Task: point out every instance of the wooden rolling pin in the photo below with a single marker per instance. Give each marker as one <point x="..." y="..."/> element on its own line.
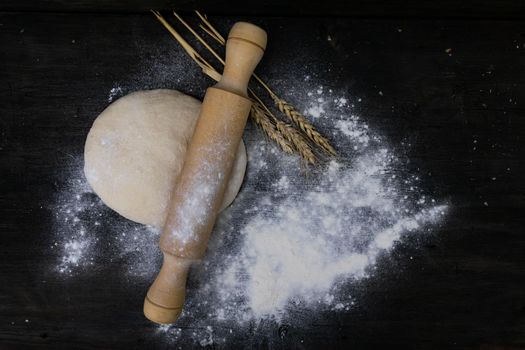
<point x="199" y="189"/>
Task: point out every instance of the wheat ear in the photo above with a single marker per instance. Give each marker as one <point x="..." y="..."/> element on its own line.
<point x="299" y="120"/>
<point x="287" y="132"/>
<point x="293" y="136"/>
<point x="261" y="119"/>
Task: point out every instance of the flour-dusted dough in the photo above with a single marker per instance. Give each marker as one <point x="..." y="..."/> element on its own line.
<point x="136" y="148"/>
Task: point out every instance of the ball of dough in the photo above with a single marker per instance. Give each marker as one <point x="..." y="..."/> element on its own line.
<point x="135" y="149"/>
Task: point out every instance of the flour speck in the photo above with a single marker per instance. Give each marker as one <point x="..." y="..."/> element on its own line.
<point x="114" y="93"/>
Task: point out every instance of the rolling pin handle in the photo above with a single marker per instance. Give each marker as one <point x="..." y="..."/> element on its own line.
<point x="244" y="49"/>
<point x="165" y="299"/>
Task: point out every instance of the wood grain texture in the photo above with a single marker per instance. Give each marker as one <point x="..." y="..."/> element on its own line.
<point x="464" y="287"/>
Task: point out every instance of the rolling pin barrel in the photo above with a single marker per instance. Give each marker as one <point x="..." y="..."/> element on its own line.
<point x="199" y="188"/>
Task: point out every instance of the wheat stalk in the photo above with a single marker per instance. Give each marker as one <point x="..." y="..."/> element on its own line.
<point x="283" y="106"/>
<point x="185" y="45"/>
<point x="199" y="38"/>
<point x="208" y="28"/>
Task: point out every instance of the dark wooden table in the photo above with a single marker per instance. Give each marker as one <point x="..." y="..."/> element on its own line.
<point x="466" y="288"/>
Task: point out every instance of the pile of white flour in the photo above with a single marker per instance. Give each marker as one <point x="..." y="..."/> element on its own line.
<point x="290" y="244"/>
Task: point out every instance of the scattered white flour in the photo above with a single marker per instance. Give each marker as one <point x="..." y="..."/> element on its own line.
<point x="84" y="225"/>
<point x="115" y="93"/>
<point x="299" y="242"/>
<point x="297" y="247"/>
<point x="74" y="239"/>
<point x="355" y="130"/>
<point x="316" y="108"/>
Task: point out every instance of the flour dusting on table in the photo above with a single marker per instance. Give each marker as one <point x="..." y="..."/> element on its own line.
<point x="73" y="237"/>
<point x="301" y="238"/>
